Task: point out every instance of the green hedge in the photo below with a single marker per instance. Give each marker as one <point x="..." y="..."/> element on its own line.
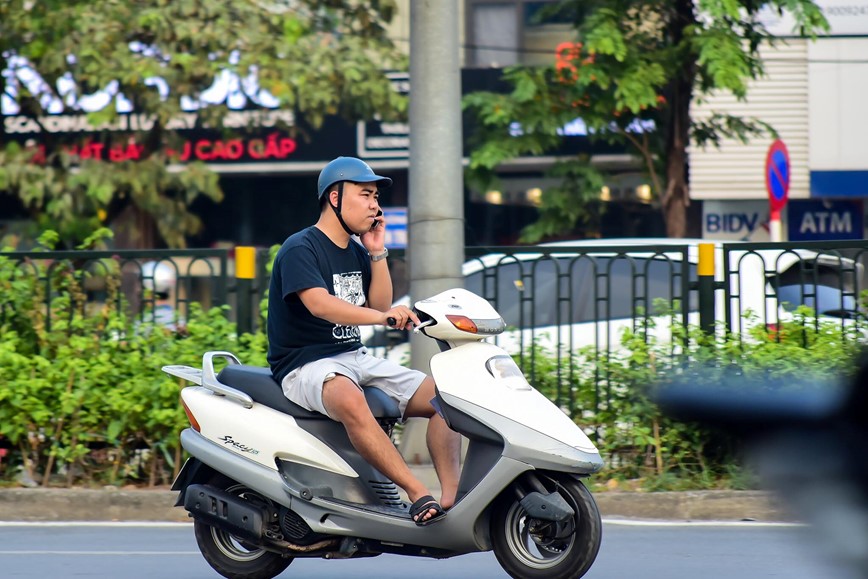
<point x="85" y="402"/>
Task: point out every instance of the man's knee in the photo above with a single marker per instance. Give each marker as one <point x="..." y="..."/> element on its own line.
<point x="343" y="399"/>
<point x="419" y="405"/>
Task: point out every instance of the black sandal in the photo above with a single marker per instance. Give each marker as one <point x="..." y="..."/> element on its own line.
<point x="422" y="506"/>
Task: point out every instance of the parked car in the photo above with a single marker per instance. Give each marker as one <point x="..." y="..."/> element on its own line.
<point x="590" y="296"/>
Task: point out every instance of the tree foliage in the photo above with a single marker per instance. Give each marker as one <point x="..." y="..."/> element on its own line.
<point x="631" y="76"/>
<point x="315" y="57"/>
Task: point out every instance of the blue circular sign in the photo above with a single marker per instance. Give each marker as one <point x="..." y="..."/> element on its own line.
<point x="778" y="175"/>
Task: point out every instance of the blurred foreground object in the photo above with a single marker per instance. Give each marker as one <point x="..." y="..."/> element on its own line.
<point x="807" y="442"/>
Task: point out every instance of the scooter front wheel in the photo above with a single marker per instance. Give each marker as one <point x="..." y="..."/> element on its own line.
<point x="530" y="549"/>
<point x="232" y="557"/>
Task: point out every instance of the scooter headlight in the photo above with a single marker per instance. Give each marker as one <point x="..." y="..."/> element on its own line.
<point x="504" y="369"/>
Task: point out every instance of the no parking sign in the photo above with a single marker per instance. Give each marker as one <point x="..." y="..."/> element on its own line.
<point x="777" y="185"/>
<point x="778" y="175"/>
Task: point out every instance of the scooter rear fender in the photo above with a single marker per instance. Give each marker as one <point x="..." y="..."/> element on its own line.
<point x="259" y="433"/>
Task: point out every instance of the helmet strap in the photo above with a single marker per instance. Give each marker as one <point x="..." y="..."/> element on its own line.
<point x="337" y="210"/>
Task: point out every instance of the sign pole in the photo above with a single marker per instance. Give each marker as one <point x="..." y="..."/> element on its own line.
<point x="777" y="185"/>
<point x="775" y="225"/>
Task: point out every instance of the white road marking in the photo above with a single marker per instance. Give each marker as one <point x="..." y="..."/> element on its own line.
<point x="651" y="523"/>
<point x="151" y="524"/>
<point x="101" y="553"/>
<point x="608" y="521"/>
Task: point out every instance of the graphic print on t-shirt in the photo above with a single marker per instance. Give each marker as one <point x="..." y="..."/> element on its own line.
<point x="348" y="287"/>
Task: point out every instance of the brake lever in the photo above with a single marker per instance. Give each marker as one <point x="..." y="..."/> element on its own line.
<point x="422" y="325"/>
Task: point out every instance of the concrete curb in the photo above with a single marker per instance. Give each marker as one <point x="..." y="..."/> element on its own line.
<point x="694" y="506"/>
<point x="43" y="505"/>
<point x="89" y="505"/>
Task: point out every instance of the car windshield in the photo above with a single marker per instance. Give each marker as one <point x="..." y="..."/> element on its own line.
<point x="568" y="290"/>
<point x="827" y="288"/>
<point x="825" y="300"/>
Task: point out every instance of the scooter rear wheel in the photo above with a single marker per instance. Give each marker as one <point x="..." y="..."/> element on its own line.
<point x="232" y="557"/>
<point x="528" y="553"/>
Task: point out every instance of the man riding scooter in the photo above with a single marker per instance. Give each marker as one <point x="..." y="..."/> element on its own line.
<point x="323" y="286"/>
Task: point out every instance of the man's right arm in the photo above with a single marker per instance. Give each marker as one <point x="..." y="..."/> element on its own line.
<point x="322" y="304"/>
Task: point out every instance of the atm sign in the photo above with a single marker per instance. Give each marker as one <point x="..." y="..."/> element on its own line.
<point x="818" y="220"/>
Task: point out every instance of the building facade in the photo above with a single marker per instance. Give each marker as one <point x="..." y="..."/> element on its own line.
<point x="812" y="93"/>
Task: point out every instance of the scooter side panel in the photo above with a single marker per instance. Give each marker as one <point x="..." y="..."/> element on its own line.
<point x="265" y="480"/>
<point x="260" y="433"/>
<point x="465" y="529"/>
<point x="461" y="373"/>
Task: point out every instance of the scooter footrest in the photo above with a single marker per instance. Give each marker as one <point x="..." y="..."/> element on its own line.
<point x="399" y="510"/>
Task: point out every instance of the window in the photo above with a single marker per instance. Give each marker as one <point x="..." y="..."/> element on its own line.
<point x="494" y="30"/>
<point x="503" y="33"/>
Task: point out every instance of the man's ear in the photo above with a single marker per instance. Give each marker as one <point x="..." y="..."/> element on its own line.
<point x="333" y="198"/>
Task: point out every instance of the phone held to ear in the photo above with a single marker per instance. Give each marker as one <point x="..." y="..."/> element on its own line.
<point x="376" y="222"/>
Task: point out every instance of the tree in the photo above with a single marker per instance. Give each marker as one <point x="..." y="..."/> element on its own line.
<point x="310" y="58"/>
<point x="631" y="76"/>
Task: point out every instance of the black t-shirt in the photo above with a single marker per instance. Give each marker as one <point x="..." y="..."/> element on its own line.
<point x="309" y="259"/>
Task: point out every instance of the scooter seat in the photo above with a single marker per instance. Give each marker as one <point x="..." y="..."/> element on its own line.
<point x="260" y="385"/>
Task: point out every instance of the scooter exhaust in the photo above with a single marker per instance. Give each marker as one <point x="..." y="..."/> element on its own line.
<point x="225" y="511"/>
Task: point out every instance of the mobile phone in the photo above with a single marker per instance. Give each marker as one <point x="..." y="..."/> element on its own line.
<point x="376" y="222"/>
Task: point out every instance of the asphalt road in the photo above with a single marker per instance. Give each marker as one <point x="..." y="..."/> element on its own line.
<point x="647" y="550"/>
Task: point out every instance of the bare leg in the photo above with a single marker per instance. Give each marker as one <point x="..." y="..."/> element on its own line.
<point x="345" y="402"/>
<point x="444" y="444"/>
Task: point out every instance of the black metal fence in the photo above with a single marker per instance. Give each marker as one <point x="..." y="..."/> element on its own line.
<point x="557" y="300"/>
<point x="559" y="297"/>
<point x="154" y="285"/>
<point x="826" y="276"/>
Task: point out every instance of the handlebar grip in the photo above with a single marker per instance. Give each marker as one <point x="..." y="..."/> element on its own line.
<point x="391" y="321"/>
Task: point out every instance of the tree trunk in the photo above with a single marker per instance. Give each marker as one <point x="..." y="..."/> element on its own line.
<point x="676" y="197"/>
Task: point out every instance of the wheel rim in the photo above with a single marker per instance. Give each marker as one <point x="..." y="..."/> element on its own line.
<point x="534" y="550"/>
<point x="227" y="543"/>
<point x="233" y="548"/>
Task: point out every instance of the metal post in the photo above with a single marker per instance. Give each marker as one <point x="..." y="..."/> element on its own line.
<point x="436" y="198"/>
<point x="705" y="271"/>
<point x="245" y="272"/>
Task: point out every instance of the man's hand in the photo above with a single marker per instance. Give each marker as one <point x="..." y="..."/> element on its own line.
<point x="374" y="240"/>
<point x="404" y="318"/>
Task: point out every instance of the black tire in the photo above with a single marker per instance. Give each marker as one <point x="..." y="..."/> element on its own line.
<point x="527" y="556"/>
<point x="231" y="557"/>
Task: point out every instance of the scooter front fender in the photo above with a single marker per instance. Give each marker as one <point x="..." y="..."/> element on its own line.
<point x="462" y="378"/>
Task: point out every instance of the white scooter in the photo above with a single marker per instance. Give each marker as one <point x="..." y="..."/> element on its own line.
<point x="268" y="481"/>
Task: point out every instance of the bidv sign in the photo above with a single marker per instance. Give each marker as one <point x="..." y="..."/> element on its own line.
<point x="818" y="220"/>
<point x="735" y="220"/>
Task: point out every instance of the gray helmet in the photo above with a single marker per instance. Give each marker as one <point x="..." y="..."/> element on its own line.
<point x="159" y="278"/>
<point x="348" y="169"/>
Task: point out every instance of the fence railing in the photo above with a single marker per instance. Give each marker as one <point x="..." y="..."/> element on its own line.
<point x="559" y="298"/>
<point x="544" y="291"/>
<point x="827" y="276"/>
<point x="153" y="285"/>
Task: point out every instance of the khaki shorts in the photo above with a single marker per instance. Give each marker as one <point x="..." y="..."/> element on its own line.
<point x="304" y="384"/>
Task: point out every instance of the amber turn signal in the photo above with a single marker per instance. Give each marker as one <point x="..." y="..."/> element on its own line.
<point x="463" y="323"/>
